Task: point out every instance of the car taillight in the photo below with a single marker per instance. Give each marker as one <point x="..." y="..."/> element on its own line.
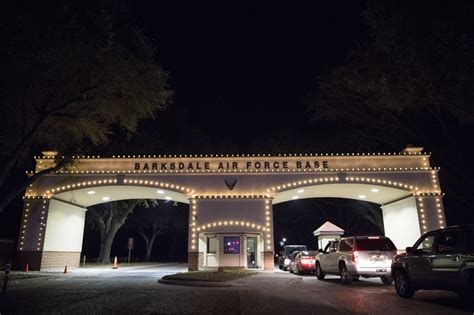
<point x="355" y="257"/>
<point x="307" y="261"/>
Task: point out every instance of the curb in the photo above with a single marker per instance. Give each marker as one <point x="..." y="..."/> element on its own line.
<point x="194" y="283"/>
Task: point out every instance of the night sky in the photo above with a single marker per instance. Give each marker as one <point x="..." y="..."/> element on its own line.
<point x="241" y="76"/>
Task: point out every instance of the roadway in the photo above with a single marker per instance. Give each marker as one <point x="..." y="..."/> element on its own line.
<point x="135" y="289"/>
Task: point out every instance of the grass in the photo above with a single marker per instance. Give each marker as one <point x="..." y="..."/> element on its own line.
<point x="211" y="275"/>
<point x="25" y="275"/>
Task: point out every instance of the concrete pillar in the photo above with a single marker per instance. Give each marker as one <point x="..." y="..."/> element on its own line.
<point x="193" y="261"/>
<point x="31" y="238"/>
<point x="269" y="263"/>
<point x="401" y="222"/>
<point x="63" y="235"/>
<point x="431" y="212"/>
<point x="193" y="240"/>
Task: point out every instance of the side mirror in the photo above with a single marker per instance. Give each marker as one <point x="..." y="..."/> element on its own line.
<point x="409" y="250"/>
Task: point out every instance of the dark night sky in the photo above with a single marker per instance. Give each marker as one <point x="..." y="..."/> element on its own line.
<point x="239" y="72"/>
<point x="240" y="75"/>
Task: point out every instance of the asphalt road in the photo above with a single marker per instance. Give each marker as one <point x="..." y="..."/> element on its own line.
<point x="135" y="290"/>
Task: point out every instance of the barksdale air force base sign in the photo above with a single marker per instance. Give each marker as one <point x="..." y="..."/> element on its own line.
<point x="230" y="199"/>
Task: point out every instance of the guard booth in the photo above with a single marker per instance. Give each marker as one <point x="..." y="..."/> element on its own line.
<point x="326" y="233"/>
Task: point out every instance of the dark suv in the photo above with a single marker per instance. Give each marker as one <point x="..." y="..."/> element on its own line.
<point x="441" y="259"/>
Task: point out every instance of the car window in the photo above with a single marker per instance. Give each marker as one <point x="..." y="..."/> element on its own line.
<point x="294" y="254"/>
<point x="346" y="245"/>
<point x="469" y="240"/>
<point x="375" y="243"/>
<point x="290" y="250"/>
<point x="447" y="242"/>
<point x="327" y="248"/>
<point x="426" y="244"/>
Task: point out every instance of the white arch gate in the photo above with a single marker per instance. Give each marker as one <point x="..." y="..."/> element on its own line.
<point x="230" y="199"/>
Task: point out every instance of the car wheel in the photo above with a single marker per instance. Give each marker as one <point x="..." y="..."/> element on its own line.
<point x="386" y="280"/>
<point x="356" y="278"/>
<point x="319" y="272"/>
<point x="346" y="278"/>
<point x="403" y="285"/>
<point x="298" y="271"/>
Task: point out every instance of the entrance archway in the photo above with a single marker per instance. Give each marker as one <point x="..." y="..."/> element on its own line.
<point x="230" y="198"/>
<point x="399" y="206"/>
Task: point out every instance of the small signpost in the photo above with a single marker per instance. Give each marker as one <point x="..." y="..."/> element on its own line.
<point x="6" y="278"/>
<point x="130" y="247"/>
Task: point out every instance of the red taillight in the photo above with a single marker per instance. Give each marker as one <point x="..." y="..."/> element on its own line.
<point x="307" y="261"/>
<point x="355" y="257"/>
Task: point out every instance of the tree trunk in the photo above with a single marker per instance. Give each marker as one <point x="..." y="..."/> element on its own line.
<point x="106" y="245"/>
<point x="109" y="223"/>
<point x="149" y="246"/>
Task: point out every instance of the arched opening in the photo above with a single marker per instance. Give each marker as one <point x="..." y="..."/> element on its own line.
<point x="65" y="222"/>
<point x="399" y="220"/>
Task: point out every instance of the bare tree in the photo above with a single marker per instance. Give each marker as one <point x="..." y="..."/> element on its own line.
<point x="150" y="221"/>
<point x="149" y="228"/>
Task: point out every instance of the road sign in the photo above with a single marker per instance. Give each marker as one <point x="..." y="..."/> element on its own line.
<point x="130" y="243"/>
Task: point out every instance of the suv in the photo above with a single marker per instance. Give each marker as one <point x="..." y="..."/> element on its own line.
<point x="441" y="259"/>
<point x="284" y="259"/>
<point x="352" y="257"/>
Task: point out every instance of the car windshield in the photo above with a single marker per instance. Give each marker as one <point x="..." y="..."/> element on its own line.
<point x="309" y="253"/>
<point x="381" y="243"/>
<point x="293" y="255"/>
<point x="290" y="250"/>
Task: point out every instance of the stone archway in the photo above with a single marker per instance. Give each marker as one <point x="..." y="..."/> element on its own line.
<point x="223" y="189"/>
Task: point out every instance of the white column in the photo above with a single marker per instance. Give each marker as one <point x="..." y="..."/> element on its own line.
<point x="401" y="223"/>
<point x="64" y="227"/>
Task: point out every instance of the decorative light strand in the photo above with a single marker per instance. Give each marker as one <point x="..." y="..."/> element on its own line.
<point x="24" y="225"/>
<point x="207" y="226"/>
<point x="302" y="183"/>
<point x="93" y="183"/>
<point x="371" y="154"/>
<point x="193" y="224"/>
<point x="382" y="182"/>
<point x="231" y="196"/>
<point x="439" y="213"/>
<point x="421" y="215"/>
<point x="42" y="223"/>
<point x="261" y="170"/>
<point x="268" y="218"/>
